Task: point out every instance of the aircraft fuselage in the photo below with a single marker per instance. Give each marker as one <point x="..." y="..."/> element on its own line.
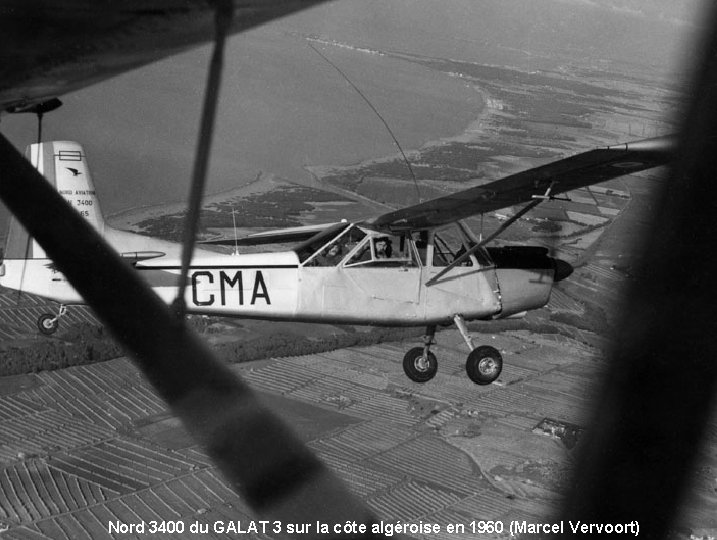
<point x="277" y="286"/>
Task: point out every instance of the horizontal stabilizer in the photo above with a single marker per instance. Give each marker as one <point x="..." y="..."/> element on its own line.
<point x="141" y="255"/>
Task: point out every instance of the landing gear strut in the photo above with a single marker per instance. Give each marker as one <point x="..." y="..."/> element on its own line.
<point x="48" y="323"/>
<point x="484" y="363"/>
<point x="420" y="363"/>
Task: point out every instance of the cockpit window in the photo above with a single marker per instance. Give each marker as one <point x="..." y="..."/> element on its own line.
<point x="447" y="249"/>
<point x="420" y="241"/>
<point x="332" y="252"/>
<point x="384" y="250"/>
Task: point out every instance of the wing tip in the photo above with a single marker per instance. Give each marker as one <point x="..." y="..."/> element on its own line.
<point x="662" y="144"/>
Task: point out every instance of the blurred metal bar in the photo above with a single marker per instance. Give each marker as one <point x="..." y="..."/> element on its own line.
<point x="639" y="452"/>
<point x="224" y="11"/>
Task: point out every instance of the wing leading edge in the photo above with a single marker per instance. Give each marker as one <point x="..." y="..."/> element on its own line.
<point x="560" y="176"/>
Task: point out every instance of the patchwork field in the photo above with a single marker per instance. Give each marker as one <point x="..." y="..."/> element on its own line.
<point x="87" y="446"/>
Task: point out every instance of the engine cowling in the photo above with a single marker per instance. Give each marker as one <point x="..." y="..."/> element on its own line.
<point x="526" y="275"/>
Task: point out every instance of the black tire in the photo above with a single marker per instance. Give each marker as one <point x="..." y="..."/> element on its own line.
<point x="484" y="365"/>
<point x="47" y="323"/>
<point x="416" y="368"/>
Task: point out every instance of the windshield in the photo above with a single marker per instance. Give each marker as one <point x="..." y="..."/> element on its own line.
<point x="330" y="250"/>
<point x="307" y="249"/>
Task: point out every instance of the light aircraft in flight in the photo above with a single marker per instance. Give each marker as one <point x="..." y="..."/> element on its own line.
<point x="52" y="47"/>
<point x="417" y="266"/>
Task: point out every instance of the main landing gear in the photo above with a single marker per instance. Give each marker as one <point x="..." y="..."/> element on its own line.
<point x="48" y="323"/>
<point x="420" y="363"/>
<point x="483" y="365"/>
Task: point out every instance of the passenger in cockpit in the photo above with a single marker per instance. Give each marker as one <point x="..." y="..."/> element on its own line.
<point x="331" y="255"/>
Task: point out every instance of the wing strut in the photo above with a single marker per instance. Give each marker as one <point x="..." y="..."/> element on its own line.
<point x="537" y="199"/>
<point x="224" y="12"/>
<point x="463" y="257"/>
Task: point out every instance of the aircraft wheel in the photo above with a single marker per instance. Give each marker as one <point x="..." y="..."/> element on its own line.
<point x="484" y="365"/>
<point x="47" y="323"/>
<point x="418" y="368"/>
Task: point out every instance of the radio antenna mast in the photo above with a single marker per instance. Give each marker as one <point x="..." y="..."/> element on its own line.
<point x="388" y="128"/>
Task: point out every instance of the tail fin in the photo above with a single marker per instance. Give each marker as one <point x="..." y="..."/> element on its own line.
<point x="64" y="165"/>
<point x="24" y="266"/>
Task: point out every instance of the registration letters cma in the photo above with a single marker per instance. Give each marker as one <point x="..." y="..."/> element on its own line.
<point x="203" y="279"/>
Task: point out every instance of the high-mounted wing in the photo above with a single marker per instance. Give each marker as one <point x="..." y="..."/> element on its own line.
<point x="548" y="180"/>
<point x="50" y="48"/>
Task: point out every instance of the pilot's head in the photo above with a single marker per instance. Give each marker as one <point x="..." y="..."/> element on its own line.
<point x="383" y="246"/>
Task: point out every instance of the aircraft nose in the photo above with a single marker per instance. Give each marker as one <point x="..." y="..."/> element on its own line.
<point x="563" y="269"/>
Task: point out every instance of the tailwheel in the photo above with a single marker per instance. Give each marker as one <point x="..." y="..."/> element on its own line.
<point x="484" y="365"/>
<point x="420" y="365"/>
<point x="47" y="323"/>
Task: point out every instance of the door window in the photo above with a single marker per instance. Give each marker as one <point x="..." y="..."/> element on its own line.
<point x="384" y="251"/>
<point x="446" y="249"/>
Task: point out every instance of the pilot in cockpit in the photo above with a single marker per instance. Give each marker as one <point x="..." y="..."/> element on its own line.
<point x="383" y="247"/>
